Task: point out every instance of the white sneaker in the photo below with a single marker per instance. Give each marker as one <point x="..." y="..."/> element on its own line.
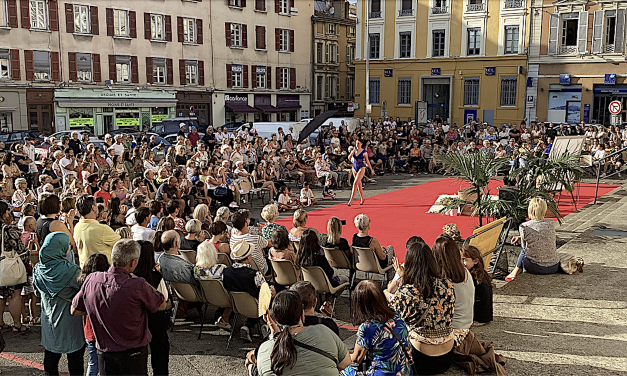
<point x="233" y="204"/>
<point x="244" y="334"/>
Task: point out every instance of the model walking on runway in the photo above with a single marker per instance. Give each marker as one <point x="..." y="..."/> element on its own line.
<point x="360" y="160"/>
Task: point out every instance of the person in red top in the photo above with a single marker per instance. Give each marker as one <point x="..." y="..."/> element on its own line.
<point x="103" y="190"/>
<point x="193" y="135"/>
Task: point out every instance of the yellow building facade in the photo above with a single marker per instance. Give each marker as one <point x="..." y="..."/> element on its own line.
<point x="464" y="59"/>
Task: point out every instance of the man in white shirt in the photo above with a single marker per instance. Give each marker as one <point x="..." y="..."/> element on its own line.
<point x="445" y="127"/>
<point x="118" y="147"/>
<point x="68" y="164"/>
<point x="138" y="201"/>
<point x="140" y="230"/>
<point x="29" y="148"/>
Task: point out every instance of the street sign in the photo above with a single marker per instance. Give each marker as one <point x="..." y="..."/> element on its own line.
<point x="615" y="120"/>
<point x="350" y="107"/>
<point x="615" y="107"/>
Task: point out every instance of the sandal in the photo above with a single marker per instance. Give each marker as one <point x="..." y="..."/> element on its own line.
<point x="5" y="328"/>
<point x="325" y="311"/>
<point x="36" y="320"/>
<point x="21" y="330"/>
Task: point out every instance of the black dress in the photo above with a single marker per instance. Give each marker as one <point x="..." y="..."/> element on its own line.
<point x="483" y="311"/>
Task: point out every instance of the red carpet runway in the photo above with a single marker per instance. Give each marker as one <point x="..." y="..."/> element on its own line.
<point x="395" y="216"/>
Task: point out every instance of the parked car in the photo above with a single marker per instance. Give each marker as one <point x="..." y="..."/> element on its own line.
<point x="68" y="133"/>
<point x="169" y="126"/>
<point x="130" y="131"/>
<point x="10" y="138"/>
<point x="230" y="126"/>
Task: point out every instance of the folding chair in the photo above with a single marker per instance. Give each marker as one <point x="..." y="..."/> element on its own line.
<point x="285" y="273"/>
<point x="224" y="259"/>
<point x="253" y="264"/>
<point x="259" y="191"/>
<point x="244" y="304"/>
<point x="339" y="260"/>
<point x="187" y="292"/>
<point x="320" y="282"/>
<point x="188" y="255"/>
<point x="490" y="240"/>
<point x="366" y="260"/>
<point x="213" y="292"/>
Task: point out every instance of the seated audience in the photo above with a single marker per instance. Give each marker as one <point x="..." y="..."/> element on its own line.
<point x="207" y="267"/>
<point x="362" y="239"/>
<point x="308" y="296"/>
<point x="270" y="213"/>
<point x="241" y="222"/>
<point x="333" y="239"/>
<point x="300" y="225"/>
<point x="190" y="242"/>
<point x="218" y="232"/>
<point x="140" y="229"/>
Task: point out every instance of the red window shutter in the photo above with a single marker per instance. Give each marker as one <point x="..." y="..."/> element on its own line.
<point x="260" y="5"/>
<point x="53" y="15"/>
<point x="132" y="24"/>
<point x="29" y="64"/>
<point x="277" y="39"/>
<point x="54" y="66"/>
<point x="201" y="73"/>
<point x="244" y="36"/>
<point x="229" y="75"/>
<point x="95" y="58"/>
<point x="199" y="31"/>
<point x="134" y="70"/>
<point x="291" y="40"/>
<point x="243" y="3"/>
<point x="269" y="77"/>
<point x="25" y="13"/>
<point x="245" y="75"/>
<point x="15" y="65"/>
<point x="291" y="3"/>
<point x="257" y="37"/>
<point x="147" y="31"/>
<point x="292" y="78"/>
<point x="263" y="38"/>
<point x="278" y="77"/>
<point x="149" y="77"/>
<point x="277" y="6"/>
<point x="12" y="10"/>
<point x="227" y="33"/>
<point x="179" y="28"/>
<point x="110" y="22"/>
<point x="72" y="64"/>
<point x="253" y="76"/>
<point x="169" y="67"/>
<point x="95" y="25"/>
<point x="112" y="71"/>
<point x="69" y="18"/>
<point x="182" y="72"/>
<point x="168" y="28"/>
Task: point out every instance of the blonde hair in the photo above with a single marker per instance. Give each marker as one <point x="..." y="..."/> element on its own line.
<point x="193" y="227"/>
<point x="270" y="213"/>
<point x="20" y="181"/>
<point x="334" y="231"/>
<point x="300" y="218"/>
<point x="200" y="213"/>
<point x="206" y="255"/>
<point x="222" y="214"/>
<point x="124" y="232"/>
<point x="58" y="154"/>
<point x="362" y="222"/>
<point x="537" y="208"/>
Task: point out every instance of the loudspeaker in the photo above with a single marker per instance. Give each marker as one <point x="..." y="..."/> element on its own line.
<point x="507" y="193"/>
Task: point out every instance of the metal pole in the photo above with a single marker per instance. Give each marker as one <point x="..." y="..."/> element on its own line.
<point x="596" y="190"/>
<point x="367" y="52"/>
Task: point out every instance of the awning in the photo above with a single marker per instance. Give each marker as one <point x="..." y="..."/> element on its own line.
<point x="268" y="109"/>
<point x="241" y="108"/>
<point x="290" y="107"/>
<point x="115" y="102"/>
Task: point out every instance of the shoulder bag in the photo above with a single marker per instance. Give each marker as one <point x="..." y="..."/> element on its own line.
<point x="12" y="269"/>
<point x="316" y="350"/>
<point x="220" y="191"/>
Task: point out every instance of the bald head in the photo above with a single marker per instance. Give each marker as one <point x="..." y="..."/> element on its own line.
<point x="171" y="241"/>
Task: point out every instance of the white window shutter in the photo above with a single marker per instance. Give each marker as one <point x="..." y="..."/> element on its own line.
<point x="597" y="32"/>
<point x="553" y="33"/>
<point x="582" y="34"/>
<point x="337" y="54"/>
<point x="326" y="53"/>
<point x="619" y="42"/>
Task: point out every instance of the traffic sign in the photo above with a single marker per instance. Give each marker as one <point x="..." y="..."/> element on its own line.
<point x="615" y="107"/>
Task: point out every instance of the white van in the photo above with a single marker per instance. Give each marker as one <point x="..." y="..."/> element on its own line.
<point x="267" y="129"/>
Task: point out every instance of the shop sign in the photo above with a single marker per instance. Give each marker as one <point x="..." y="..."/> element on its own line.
<point x="435" y="71"/>
<point x="490" y="71"/>
<point x="388" y="72"/>
<point x="122" y="104"/>
<point x="158" y="118"/>
<point x="236" y="98"/>
<point x="261" y="70"/>
<point x="127" y="122"/>
<point x="113" y="94"/>
<point x="81" y="122"/>
<point x="565" y="79"/>
<point x="610" y="79"/>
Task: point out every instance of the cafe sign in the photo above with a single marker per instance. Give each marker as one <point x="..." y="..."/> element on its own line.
<point x="238" y="98"/>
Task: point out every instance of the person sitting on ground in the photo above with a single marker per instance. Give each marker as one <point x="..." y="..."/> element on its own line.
<point x="537" y="237"/>
<point x="218" y="232"/>
<point x="241" y="221"/>
<point x="306" y="196"/>
<point x="284" y="201"/>
<point x="300" y="225"/>
<point x="453" y="232"/>
<point x="140" y="229"/>
<point x="207" y="267"/>
<point x="333" y="237"/>
<point x="395" y="283"/>
<point x="362" y="239"/>
<point x="327" y="193"/>
<point x="483" y="309"/>
<point x="270" y="213"/>
<point x="190" y="242"/>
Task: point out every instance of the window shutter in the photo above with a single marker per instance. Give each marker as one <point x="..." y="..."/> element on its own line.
<point x="258" y="42"/>
<point x="25" y="13"/>
<point x="326" y="53"/>
<point x="277" y="6"/>
<point x="554" y="22"/>
<point x="597" y="31"/>
<point x="244" y="36"/>
<point x="15" y="65"/>
<point x="134" y="70"/>
<point x="291" y="40"/>
<point x="337" y="54"/>
<point x="12" y="10"/>
<point x="95" y="25"/>
<point x="72" y="64"/>
<point x="243" y="3"/>
<point x="229" y="75"/>
<point x="169" y="71"/>
<point x="132" y="24"/>
<point x="179" y="29"/>
<point x="112" y="72"/>
<point x="227" y="33"/>
<point x="292" y="78"/>
<point x="182" y="77"/>
<point x="253" y="76"/>
<point x="277" y="39"/>
<point x="263" y="37"/>
<point x="69" y="18"/>
<point x="269" y="77"/>
<point x="278" y="77"/>
<point x="245" y="76"/>
<point x="582" y="33"/>
<point x="199" y="31"/>
<point x="53" y="15"/>
<point x="54" y="66"/>
<point x="95" y="58"/>
<point x="201" y="73"/>
<point x="149" y="77"/>
<point x="260" y="5"/>
<point x="168" y="28"/>
<point x="147" y="28"/>
<point x="619" y="41"/>
<point x="109" y="12"/>
<point x="291" y="3"/>
<point x="29" y="64"/>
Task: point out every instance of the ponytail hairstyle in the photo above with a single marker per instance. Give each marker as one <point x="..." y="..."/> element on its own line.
<point x="287" y="311"/>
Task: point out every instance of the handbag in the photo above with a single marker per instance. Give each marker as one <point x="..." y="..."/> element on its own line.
<point x="220" y="191"/>
<point x="12" y="269"/>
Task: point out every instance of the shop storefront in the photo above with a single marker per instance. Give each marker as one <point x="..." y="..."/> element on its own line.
<point x="246" y="107"/>
<point x="603" y="96"/>
<point x="41" y="110"/>
<point x="13" y="110"/>
<point x="289" y="106"/>
<point x="104" y="110"/>
<point x="263" y="102"/>
<point x="194" y="104"/>
<point x="236" y="108"/>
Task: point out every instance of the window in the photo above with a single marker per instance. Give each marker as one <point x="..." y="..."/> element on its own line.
<point x="438" y="43"/>
<point x="284" y="40"/>
<point x="332" y="53"/>
<point x="350" y="31"/>
<point x="284" y="6"/>
<point x="570" y="25"/>
<point x="404" y="91"/>
<point x="511" y="39"/>
<point x="471" y="91"/>
<point x="374" y="45"/>
<point x="350" y="55"/>
<point x="610" y="27"/>
<point x="235" y="3"/>
<point x="189" y="30"/>
<point x="123" y="69"/>
<point x="4" y="19"/>
<point x="332" y="87"/>
<point x="319" y="48"/>
<point x="509" y="86"/>
<point x="157" y="26"/>
<point x="81" y="19"/>
<point x="238" y="76"/>
<point x="159" y="74"/>
<point x="474" y="41"/>
<point x="405" y="47"/>
<point x="83" y="67"/>
<point x="285" y="78"/>
<point x="375" y="9"/>
<point x="375" y="86"/>
<point x="319" y="83"/>
<point x="332" y="29"/>
<point x="5" y="74"/>
<point x="41" y="61"/>
<point x="260" y="5"/>
<point x="350" y="87"/>
<point x="236" y="35"/>
<point x="191" y="72"/>
<point x="120" y="23"/>
<point x="262" y="79"/>
<point x="38" y="19"/>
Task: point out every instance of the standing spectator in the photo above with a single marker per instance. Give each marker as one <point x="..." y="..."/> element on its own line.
<point x="118" y="146"/>
<point x="10" y="171"/>
<point x="90" y="236"/>
<point x="68" y="164"/>
<point x="122" y="344"/>
<point x="29" y="149"/>
<point x="193" y="135"/>
<point x="75" y="143"/>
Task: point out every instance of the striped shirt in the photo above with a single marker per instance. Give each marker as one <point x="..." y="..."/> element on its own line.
<point x="259" y="243"/>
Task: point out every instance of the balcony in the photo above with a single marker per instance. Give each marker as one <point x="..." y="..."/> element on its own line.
<point x="439" y="10"/>
<point x="405" y="12"/>
<point x="374" y="15"/>
<point x="513" y="4"/>
<point x="568" y="50"/>
<point x="476" y="7"/>
<point x="608" y="48"/>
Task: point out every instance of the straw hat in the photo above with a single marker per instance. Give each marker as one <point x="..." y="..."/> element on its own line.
<point x="241" y="250"/>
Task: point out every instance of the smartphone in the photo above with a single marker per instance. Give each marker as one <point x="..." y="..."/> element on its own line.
<point x="343" y="222"/>
<point x="253" y="221"/>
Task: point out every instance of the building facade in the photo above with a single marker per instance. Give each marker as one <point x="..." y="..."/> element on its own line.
<point x="577" y="62"/>
<point x="333" y="57"/>
<point x="466" y="60"/>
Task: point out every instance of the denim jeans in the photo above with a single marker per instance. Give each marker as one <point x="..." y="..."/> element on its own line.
<point x="529" y="267"/>
<point x="92" y="361"/>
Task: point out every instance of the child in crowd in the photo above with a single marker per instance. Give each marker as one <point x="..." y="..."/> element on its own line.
<point x="483" y="312"/>
<point x="31" y="241"/>
<point x="327" y="193"/>
<point x="307" y="196"/>
<point x="102" y="213"/>
<point x="28" y="210"/>
<point x="284" y="201"/>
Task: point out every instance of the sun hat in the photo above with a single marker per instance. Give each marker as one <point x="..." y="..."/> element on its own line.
<point x="241" y="250"/>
